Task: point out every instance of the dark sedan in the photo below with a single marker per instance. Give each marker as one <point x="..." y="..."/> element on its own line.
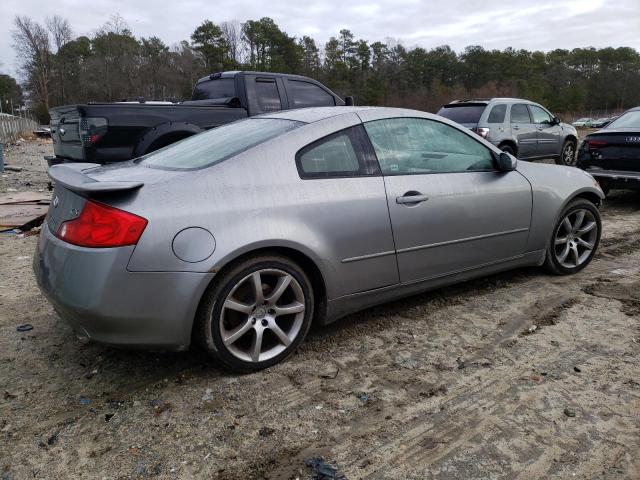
<point x="612" y="154"/>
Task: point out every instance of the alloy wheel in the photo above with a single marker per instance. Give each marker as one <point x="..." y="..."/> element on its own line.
<point x="576" y="238"/>
<point x="262" y="315"/>
<point x="569" y="154"/>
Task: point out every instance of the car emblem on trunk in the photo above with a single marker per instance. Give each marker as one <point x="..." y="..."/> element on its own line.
<point x="55" y="202"/>
<point x="633" y="139"/>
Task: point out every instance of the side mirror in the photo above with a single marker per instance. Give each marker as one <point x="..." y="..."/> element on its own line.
<point x="555" y="121"/>
<point x="348" y="101"/>
<point x="506" y="162"/>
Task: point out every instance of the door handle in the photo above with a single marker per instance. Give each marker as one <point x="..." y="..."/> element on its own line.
<point x="411" y="198"/>
<point x="516" y="127"/>
<point x="539" y="129"/>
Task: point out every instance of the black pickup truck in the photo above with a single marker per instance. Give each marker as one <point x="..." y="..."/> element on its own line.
<point x="113" y="132"/>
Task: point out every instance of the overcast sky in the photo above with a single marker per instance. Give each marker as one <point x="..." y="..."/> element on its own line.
<point x="529" y="24"/>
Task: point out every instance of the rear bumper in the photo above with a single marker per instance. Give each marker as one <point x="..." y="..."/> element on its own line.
<point x="616" y="178"/>
<point x="92" y="290"/>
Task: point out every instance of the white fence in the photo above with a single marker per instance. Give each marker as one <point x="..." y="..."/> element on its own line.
<point x="12" y="127"/>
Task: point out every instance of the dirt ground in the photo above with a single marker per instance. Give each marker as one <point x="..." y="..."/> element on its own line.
<point x="444" y="385"/>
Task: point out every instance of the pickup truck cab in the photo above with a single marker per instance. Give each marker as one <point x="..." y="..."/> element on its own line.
<point x="114" y="132"/>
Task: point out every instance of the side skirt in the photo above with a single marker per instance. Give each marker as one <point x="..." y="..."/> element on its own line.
<point x="347" y="304"/>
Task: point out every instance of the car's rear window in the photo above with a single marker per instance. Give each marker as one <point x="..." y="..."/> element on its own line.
<point x="214" y="89"/>
<point x="627" y="120"/>
<point x="218" y="144"/>
<point x="462" y="113"/>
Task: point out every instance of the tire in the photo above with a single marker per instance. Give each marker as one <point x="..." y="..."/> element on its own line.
<point x="509" y="149"/>
<point x="233" y="310"/>
<point x="569" y="251"/>
<point x="567" y="154"/>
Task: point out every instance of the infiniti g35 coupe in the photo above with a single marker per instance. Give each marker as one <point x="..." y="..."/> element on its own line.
<point x="240" y="237"/>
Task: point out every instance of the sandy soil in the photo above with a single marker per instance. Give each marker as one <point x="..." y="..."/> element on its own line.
<point x="444" y="385"/>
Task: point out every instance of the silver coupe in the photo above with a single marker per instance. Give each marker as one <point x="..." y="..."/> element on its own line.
<point x="240" y="237"/>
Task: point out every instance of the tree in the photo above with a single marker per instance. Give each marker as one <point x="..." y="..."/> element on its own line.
<point x="10" y="93"/>
<point x="209" y="41"/>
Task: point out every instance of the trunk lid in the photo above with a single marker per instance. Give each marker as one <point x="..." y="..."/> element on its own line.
<point x="615" y="149"/>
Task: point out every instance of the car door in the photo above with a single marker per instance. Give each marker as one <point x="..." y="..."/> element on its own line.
<point x="548" y="132"/>
<point x="450" y="209"/>
<point x="524" y="131"/>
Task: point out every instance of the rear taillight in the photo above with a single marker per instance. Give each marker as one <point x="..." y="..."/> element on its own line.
<point x="100" y="226"/>
<point x="483" y="132"/>
<point x="593" y="144"/>
<point x="91" y="129"/>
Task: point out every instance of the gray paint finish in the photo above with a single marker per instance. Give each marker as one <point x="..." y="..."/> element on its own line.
<point x="367" y="247"/>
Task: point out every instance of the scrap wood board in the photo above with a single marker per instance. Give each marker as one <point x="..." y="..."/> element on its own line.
<point x="22" y="208"/>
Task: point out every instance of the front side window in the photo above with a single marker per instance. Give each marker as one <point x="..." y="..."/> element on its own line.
<point x="520" y="113"/>
<point x="218" y="144"/>
<point x="539" y="115"/>
<point x="497" y="114"/>
<point x="268" y="96"/>
<point x="307" y="94"/>
<point x="407" y="146"/>
<point x="340" y="154"/>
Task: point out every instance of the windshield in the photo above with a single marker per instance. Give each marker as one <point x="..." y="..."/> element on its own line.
<point x="218" y="144"/>
<point x="463" y="113"/>
<point x="213" y="89"/>
<point x="627" y="120"/>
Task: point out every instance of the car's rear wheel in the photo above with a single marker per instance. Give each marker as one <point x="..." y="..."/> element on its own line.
<point x="575" y="238"/>
<point x="568" y="154"/>
<point x="256" y="314"/>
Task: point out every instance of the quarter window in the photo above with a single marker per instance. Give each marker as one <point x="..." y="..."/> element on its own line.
<point x="519" y="113"/>
<point x="497" y="114"/>
<point x="338" y="155"/>
<point x="307" y="94"/>
<point x="539" y="115"/>
<point x="407" y="146"/>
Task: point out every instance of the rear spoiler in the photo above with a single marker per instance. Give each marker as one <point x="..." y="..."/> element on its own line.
<point x="72" y="176"/>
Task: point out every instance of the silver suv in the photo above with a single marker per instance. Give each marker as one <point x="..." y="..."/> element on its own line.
<point x="520" y="127"/>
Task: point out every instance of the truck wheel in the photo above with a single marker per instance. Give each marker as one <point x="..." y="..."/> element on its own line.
<point x="568" y="154"/>
<point x="256" y="314"/>
<point x="574" y="239"/>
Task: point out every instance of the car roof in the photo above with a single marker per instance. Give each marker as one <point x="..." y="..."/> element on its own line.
<point x="315" y="114"/>
<point x="487" y="101"/>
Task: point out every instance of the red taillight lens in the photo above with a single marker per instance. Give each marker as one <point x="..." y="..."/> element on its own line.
<point x="596" y="143"/>
<point x="100" y="226"/>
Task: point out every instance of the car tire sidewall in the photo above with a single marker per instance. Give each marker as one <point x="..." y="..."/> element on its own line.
<point x="210" y="315"/>
<point x="551" y="261"/>
<point x="566" y="145"/>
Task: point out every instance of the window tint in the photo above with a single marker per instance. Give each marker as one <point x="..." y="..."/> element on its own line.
<point x="415" y="145"/>
<point x="337" y="155"/>
<point x="627" y="120"/>
<point x="213" y="89"/>
<point x="218" y="144"/>
<point x="519" y="113"/>
<point x="307" y="94"/>
<point x="268" y="96"/>
<point x="462" y="113"/>
<point x="539" y="115"/>
<point x="497" y="114"/>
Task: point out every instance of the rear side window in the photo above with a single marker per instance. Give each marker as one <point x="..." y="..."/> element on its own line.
<point x="218" y="144"/>
<point x="268" y="96"/>
<point x="497" y="114"/>
<point x="307" y="94"/>
<point x="520" y="113"/>
<point x="462" y="113"/>
<point x="341" y="154"/>
<point x="214" y="89"/>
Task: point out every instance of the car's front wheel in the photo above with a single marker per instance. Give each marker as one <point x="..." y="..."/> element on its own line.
<point x="568" y="154"/>
<point x="256" y="314"/>
<point x="575" y="238"/>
